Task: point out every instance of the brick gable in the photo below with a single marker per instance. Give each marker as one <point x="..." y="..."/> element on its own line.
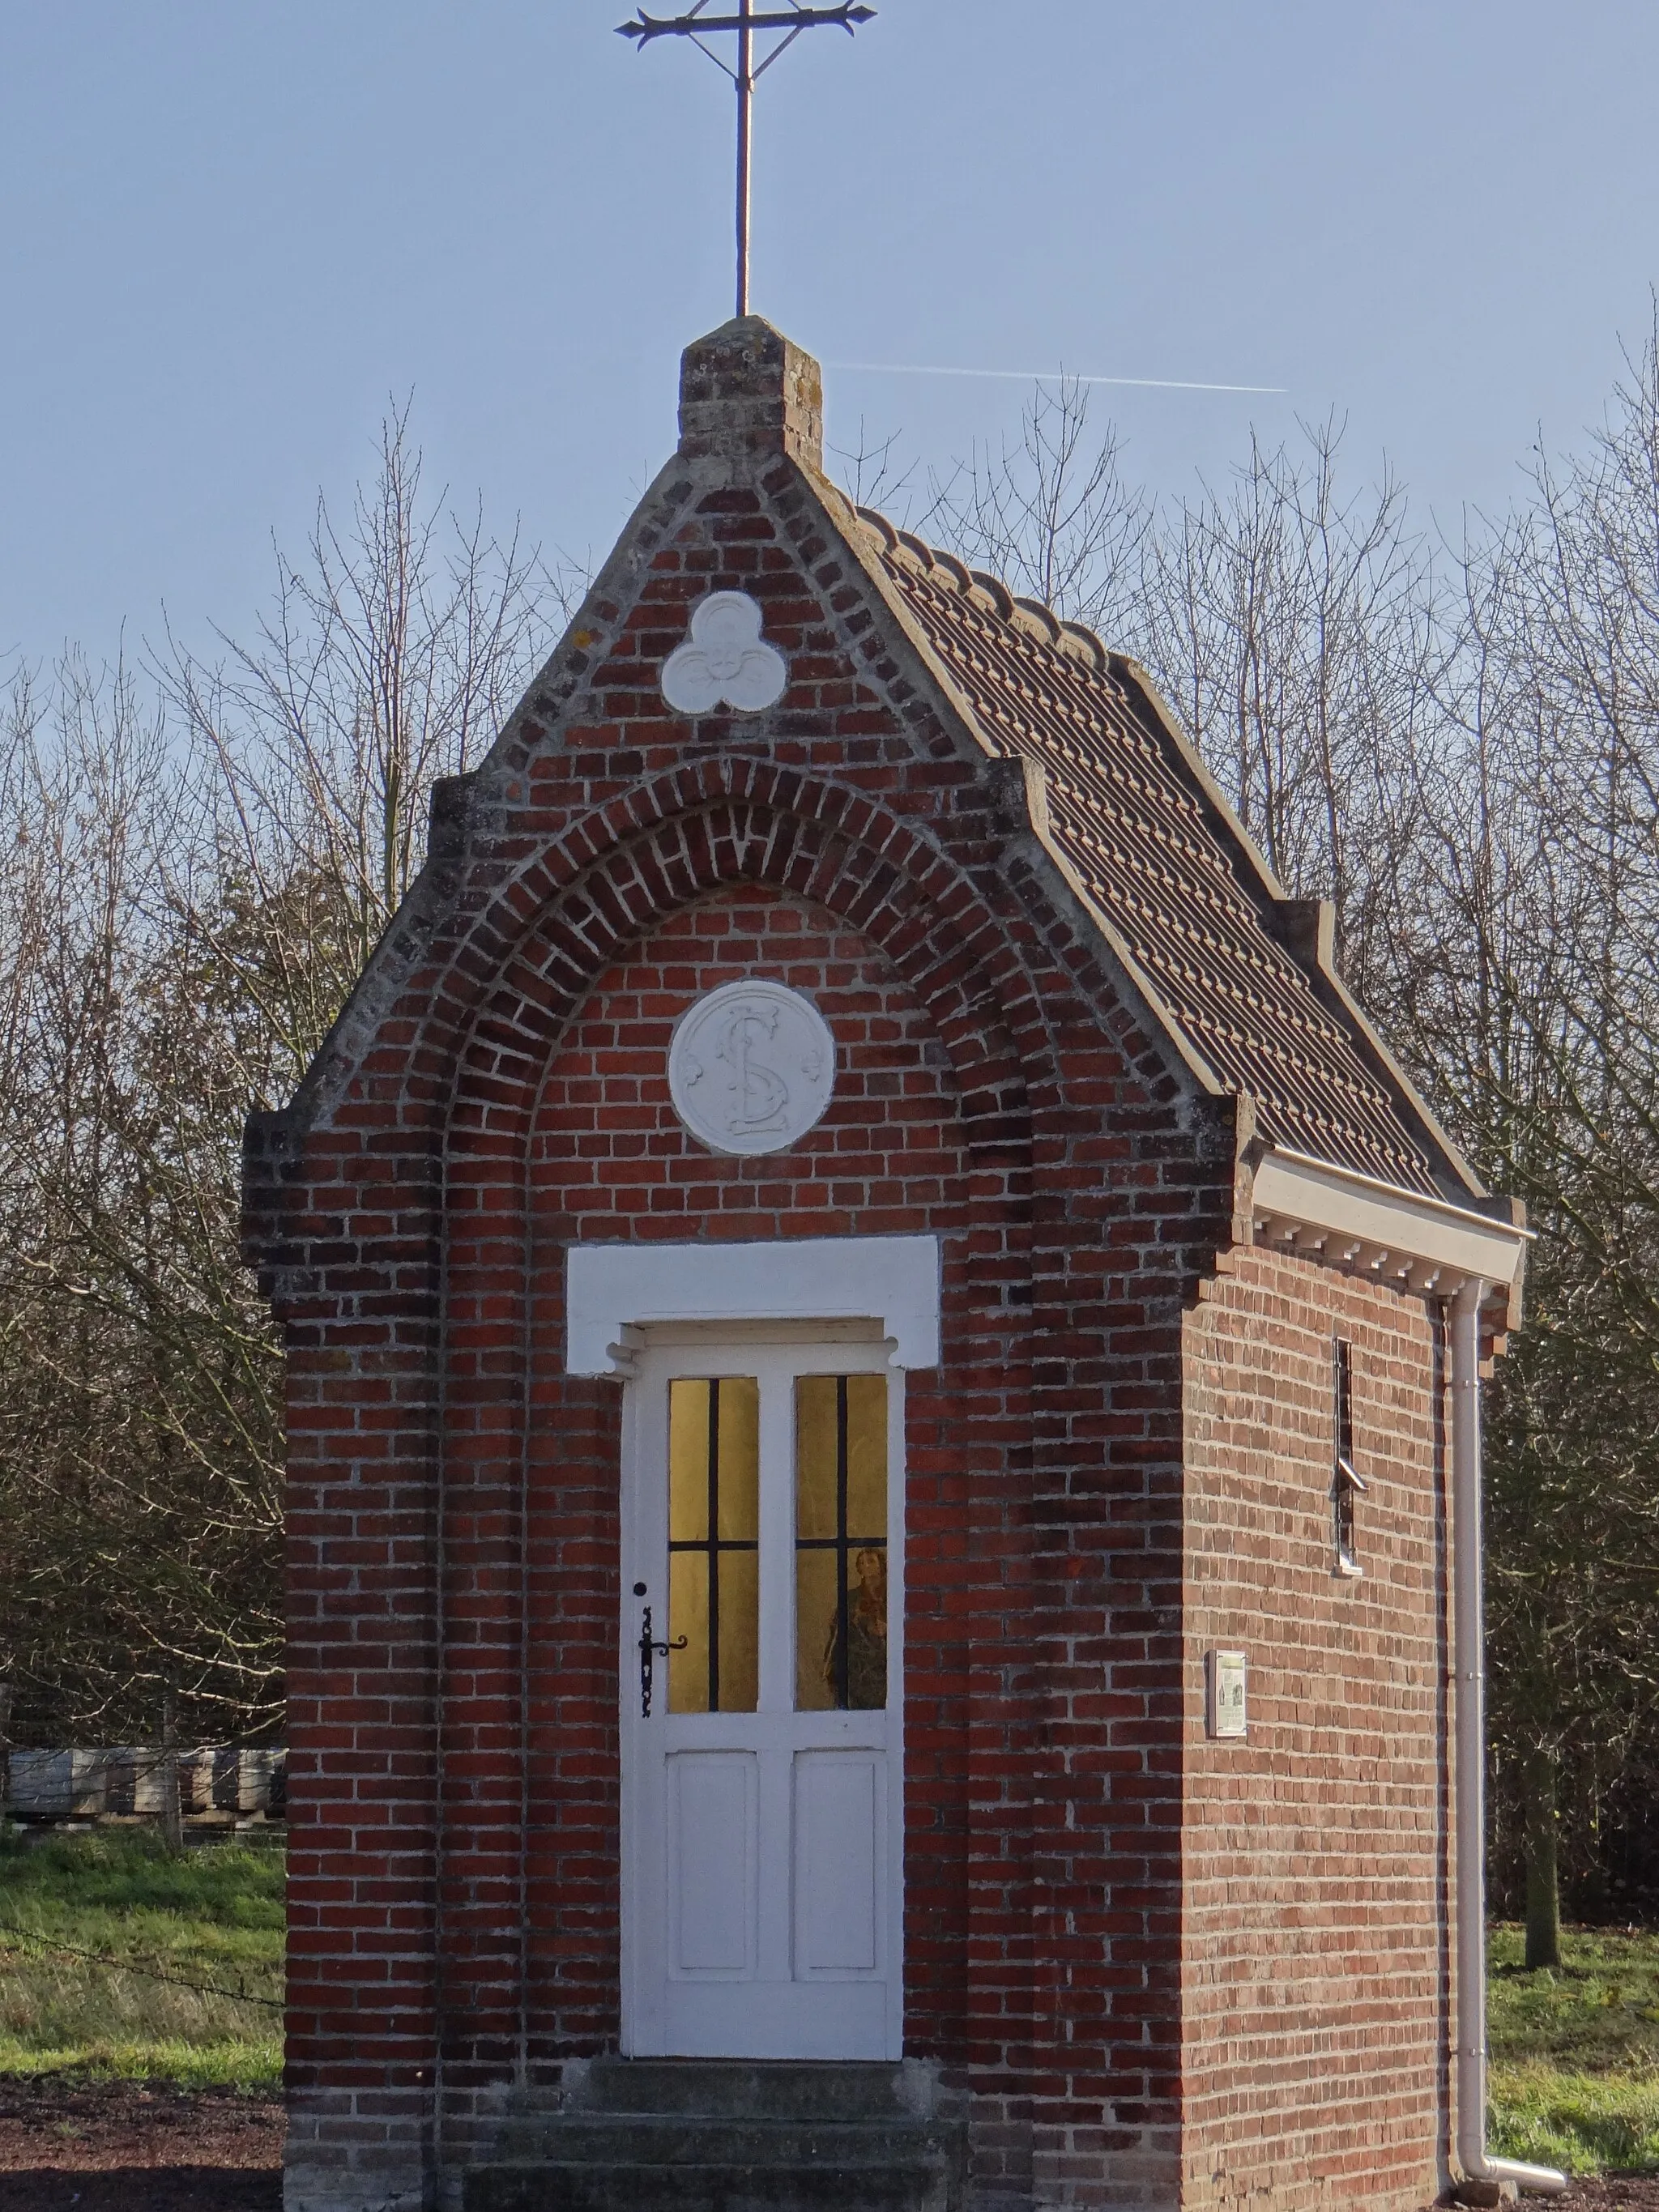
<point x="1011" y="1084"/>
<point x="497" y="1090"/>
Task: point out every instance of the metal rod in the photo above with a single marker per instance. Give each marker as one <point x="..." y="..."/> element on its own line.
<point x="745" y="77"/>
<point x="698" y="25"/>
<point x="647" y="28"/>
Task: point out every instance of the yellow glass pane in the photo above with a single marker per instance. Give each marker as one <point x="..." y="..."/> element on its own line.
<point x="818" y="1631"/>
<point x="867" y="1457"/>
<point x="688" y="1463"/>
<point x="867" y="1631"/>
<point x="816" y="1423"/>
<point x="816" y="1616"/>
<point x="739" y="1459"/>
<point x="817" y="1418"/>
<point x="688" y="1616"/>
<point x="739" y="1587"/>
<point x="737" y="1468"/>
<point x="840" y="1528"/>
<point x="722" y="1413"/>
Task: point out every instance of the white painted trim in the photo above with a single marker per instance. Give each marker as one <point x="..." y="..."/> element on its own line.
<point x="1469" y="1760"/>
<point x="1308" y="1205"/>
<point x="615" y="1289"/>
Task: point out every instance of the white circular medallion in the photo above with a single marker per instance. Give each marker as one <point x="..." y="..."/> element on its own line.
<point x="751" y="1067"/>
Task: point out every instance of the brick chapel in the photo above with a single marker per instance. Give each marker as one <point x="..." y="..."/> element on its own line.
<point x="884" y="1450"/>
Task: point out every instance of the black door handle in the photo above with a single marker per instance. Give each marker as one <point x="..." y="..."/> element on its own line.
<point x="648" y="1650"/>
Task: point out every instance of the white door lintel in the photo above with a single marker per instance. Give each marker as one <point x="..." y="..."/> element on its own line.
<point x="613" y="1291"/>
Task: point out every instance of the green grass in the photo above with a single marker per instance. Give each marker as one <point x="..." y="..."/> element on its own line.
<point x="1581" y="2122"/>
<point x="1575" y="2051"/>
<point x="211" y="1917"/>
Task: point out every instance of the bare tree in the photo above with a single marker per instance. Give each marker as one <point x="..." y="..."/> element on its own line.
<point x="1462" y="751"/>
<point x="195" y="869"/>
<point x="391" y="657"/>
<point x="1564" y="630"/>
<point x="1296" y="629"/>
<point x="875" y="472"/>
<point x="138" y="1447"/>
<point x="1053" y="515"/>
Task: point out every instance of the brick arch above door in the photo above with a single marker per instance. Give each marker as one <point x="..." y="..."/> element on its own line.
<point x="812" y="840"/>
<point x="608" y="1162"/>
<point x="448" y="1055"/>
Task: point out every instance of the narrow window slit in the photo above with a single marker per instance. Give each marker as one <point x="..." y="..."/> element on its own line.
<point x="1347" y="1484"/>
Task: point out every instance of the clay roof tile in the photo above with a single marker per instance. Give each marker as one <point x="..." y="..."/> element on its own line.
<point x="1151" y="847"/>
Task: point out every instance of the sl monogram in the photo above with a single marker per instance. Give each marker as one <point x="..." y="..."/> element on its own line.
<point x="751" y="1067"/>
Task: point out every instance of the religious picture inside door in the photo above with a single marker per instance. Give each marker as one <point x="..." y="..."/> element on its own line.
<point x="840" y="1542"/>
<point x="714" y="1545"/>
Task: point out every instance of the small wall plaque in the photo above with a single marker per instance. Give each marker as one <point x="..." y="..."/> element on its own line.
<point x="1227" y="1712"/>
<point x="751" y="1067"/>
<point x="725" y="661"/>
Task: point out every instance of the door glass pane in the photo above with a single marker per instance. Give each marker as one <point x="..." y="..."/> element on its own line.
<point x="840" y="1542"/>
<point x="713" y="1529"/>
<point x="687" y="1462"/>
<point x="739" y="1631"/>
<point x="688" y="1617"/>
<point x="739" y="1460"/>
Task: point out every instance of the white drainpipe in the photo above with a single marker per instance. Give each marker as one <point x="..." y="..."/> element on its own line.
<point x="1470" y="1774"/>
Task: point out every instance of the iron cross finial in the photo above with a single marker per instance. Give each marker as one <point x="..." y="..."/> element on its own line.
<point x="698" y="25"/>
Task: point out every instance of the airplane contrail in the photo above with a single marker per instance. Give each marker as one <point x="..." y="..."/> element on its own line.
<point x="1050" y="376"/>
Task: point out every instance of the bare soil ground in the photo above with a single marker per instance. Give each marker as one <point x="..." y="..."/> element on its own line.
<point x="124" y="2147"/>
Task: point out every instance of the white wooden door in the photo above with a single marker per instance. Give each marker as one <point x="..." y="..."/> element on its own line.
<point x="762" y="1760"/>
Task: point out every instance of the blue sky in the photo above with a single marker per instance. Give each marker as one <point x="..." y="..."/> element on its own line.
<point x="227" y="232"/>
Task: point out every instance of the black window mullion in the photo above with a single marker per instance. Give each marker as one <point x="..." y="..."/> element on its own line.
<point x="843" y="1603"/>
<point x="714" y="1546"/>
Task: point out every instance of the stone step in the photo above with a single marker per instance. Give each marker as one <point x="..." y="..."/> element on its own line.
<point x="548" y="2186"/>
<point x="699" y="2135"/>
<point x="683" y="2139"/>
<point x="743" y="2088"/>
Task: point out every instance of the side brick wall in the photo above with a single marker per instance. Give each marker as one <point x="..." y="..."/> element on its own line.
<point x="362" y="1307"/>
<point x="1317" y="1929"/>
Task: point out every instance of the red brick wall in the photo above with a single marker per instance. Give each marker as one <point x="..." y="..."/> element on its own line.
<point x="453" y="1501"/>
<point x="609" y="1160"/>
<point x="362" y="1398"/>
<point x="1315" y="1955"/>
<point x="1015" y="1831"/>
